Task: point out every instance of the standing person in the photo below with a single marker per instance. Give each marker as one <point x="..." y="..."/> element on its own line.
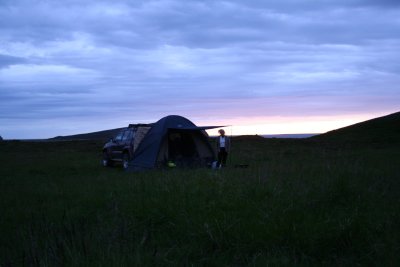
<point x="223" y="146"/>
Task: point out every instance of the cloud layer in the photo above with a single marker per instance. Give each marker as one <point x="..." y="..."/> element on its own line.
<point x="75" y="66"/>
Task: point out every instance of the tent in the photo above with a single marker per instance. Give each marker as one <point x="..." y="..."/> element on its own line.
<point x="173" y="139"/>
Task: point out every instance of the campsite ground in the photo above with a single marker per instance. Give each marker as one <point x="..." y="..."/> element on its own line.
<point x="300" y="202"/>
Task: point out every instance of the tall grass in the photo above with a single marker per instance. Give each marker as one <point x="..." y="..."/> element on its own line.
<point x="299" y="203"/>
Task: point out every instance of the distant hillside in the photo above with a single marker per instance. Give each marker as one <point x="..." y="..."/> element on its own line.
<point x="101" y="135"/>
<point x="248" y="137"/>
<point x="289" y="135"/>
<point x="384" y="129"/>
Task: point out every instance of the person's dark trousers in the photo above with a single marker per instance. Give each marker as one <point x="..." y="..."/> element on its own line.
<point x="222" y="155"/>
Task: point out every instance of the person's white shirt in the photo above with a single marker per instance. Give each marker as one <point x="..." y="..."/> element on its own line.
<point x="222" y="141"/>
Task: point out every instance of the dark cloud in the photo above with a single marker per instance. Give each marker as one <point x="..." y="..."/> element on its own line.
<point x="6" y="60"/>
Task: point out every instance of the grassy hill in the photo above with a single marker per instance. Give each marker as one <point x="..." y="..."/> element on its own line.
<point x="384" y="129"/>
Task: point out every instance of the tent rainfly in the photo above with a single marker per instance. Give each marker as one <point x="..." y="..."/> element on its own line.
<point x="173" y="139"/>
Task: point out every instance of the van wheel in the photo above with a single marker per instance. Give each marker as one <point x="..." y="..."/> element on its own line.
<point x="125" y="161"/>
<point x="106" y="160"/>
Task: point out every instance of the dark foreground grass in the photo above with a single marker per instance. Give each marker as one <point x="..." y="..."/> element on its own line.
<point x="299" y="203"/>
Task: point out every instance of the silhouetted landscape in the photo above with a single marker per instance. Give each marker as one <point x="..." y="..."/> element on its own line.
<point x="329" y="200"/>
<point x="101" y="163"/>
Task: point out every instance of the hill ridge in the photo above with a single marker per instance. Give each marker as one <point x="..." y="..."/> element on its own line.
<point x="381" y="129"/>
<point x="98" y="135"/>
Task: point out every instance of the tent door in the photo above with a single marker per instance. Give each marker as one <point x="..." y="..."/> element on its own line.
<point x="181" y="148"/>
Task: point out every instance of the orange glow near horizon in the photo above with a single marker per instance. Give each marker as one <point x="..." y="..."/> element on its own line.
<point x="290" y="125"/>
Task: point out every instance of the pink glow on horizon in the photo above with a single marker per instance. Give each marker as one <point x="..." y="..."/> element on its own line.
<point x="289" y="125"/>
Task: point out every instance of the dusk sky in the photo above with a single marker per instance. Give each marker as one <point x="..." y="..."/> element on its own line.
<point x="265" y="67"/>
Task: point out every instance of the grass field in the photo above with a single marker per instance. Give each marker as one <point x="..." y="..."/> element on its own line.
<point x="300" y="203"/>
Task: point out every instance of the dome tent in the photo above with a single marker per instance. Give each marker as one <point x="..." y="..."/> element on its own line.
<point x="173" y="139"/>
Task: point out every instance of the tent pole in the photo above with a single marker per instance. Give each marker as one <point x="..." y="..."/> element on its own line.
<point x="230" y="149"/>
